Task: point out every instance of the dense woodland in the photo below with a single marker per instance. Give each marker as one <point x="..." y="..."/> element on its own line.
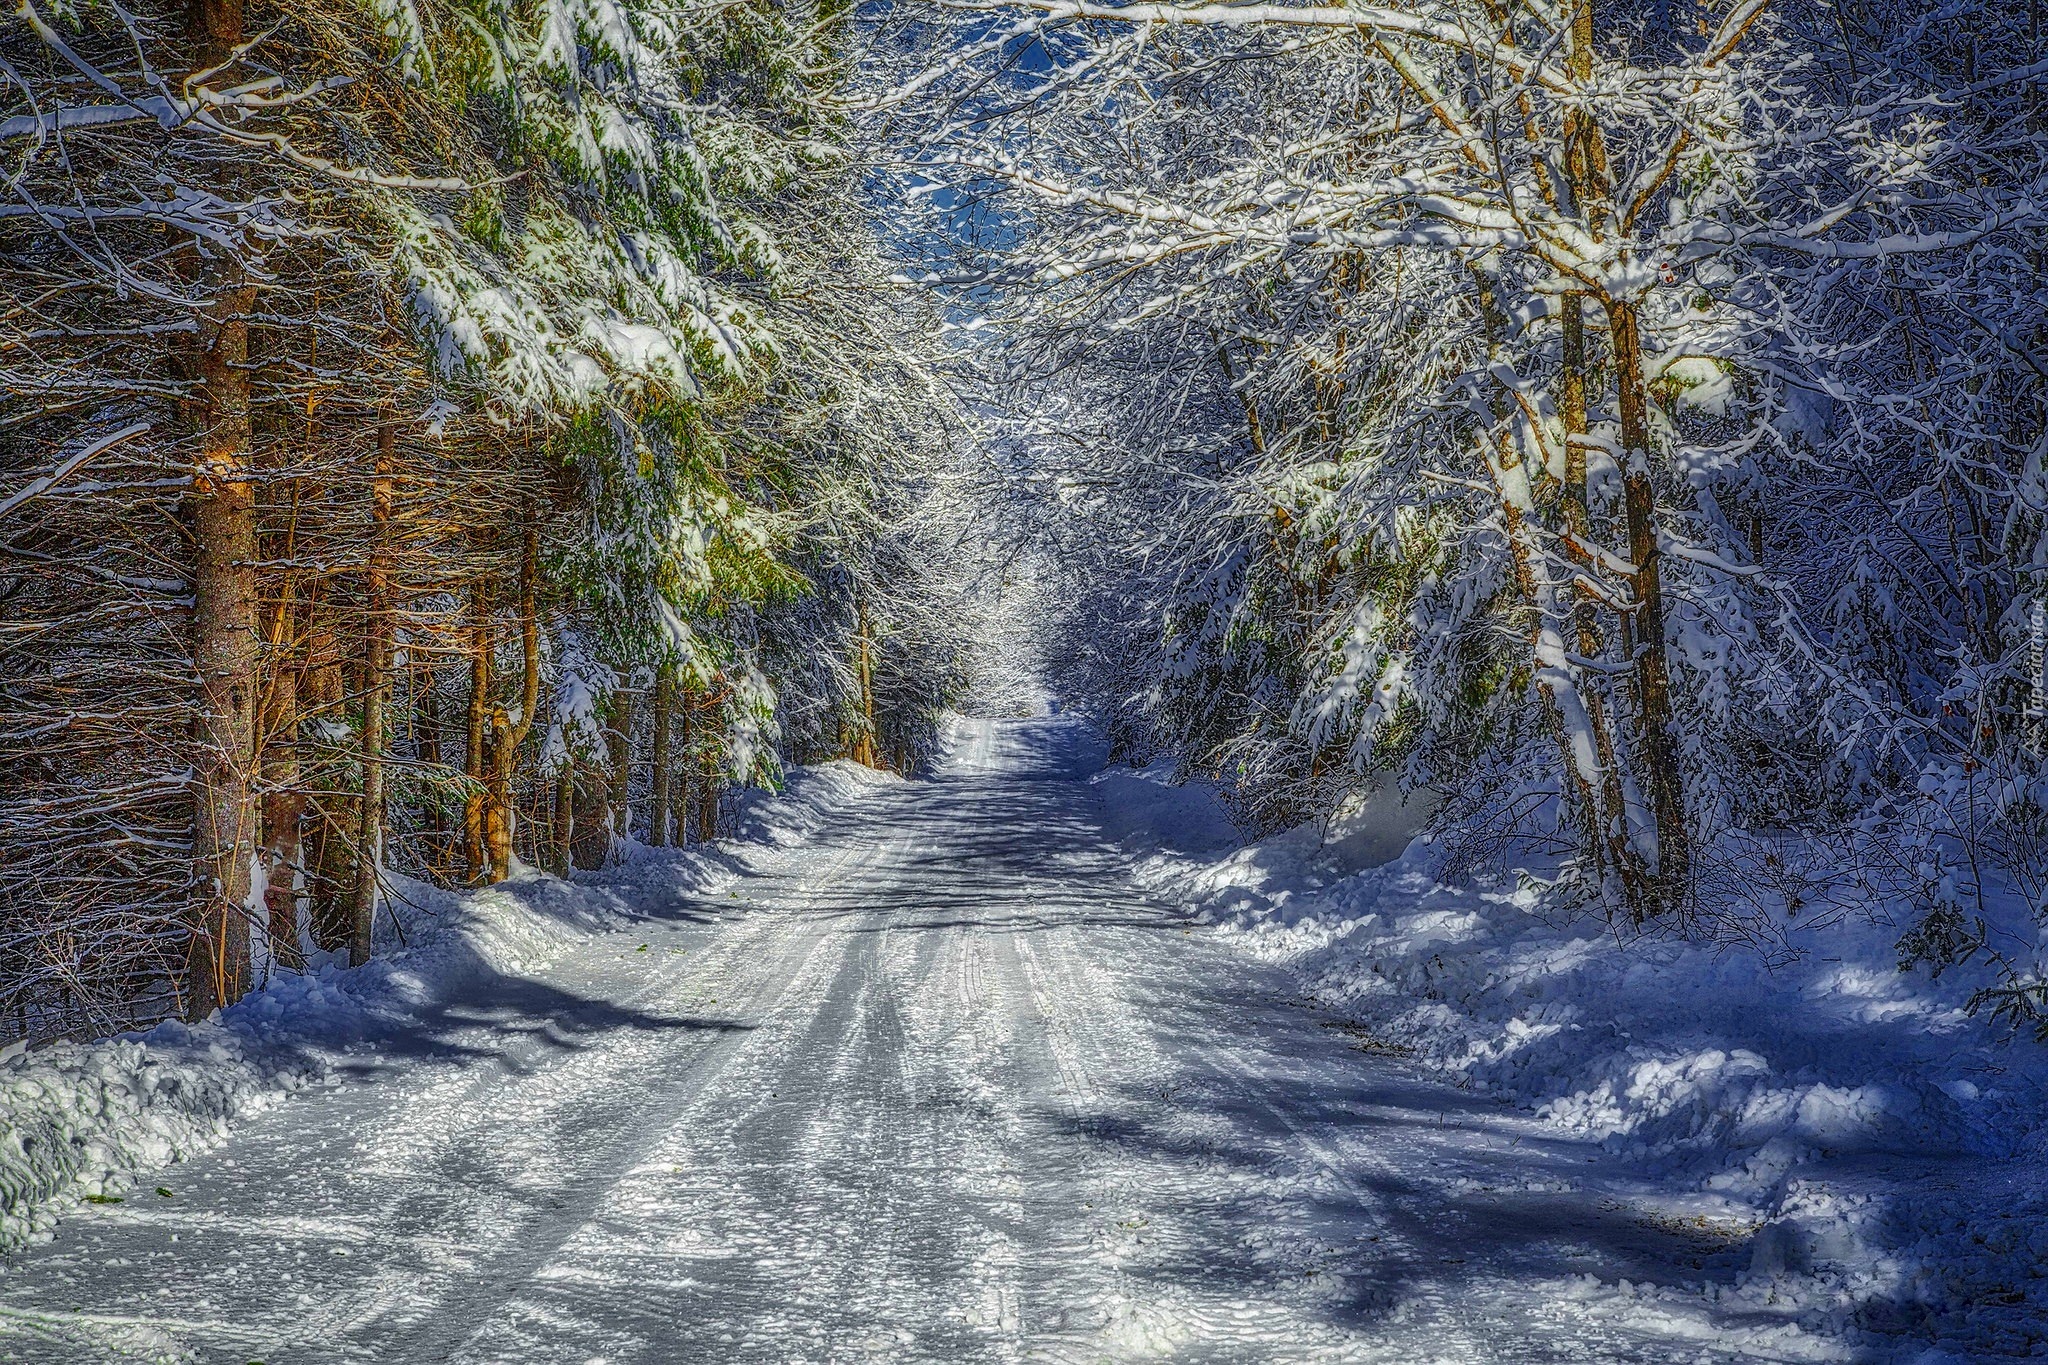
<point x="438" y="437"/>
<point x="442" y="435"/>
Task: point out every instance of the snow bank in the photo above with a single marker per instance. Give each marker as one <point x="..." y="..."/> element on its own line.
<point x="1149" y="808"/>
<point x="88" y="1121"/>
<point x="1882" y="1147"/>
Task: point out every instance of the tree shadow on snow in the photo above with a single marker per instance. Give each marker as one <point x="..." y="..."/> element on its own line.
<point x="1449" y="1210"/>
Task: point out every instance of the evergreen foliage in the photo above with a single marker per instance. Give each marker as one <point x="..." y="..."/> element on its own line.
<point x="407" y="401"/>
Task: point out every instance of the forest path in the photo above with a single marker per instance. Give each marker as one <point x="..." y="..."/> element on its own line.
<point x="938" y="1086"/>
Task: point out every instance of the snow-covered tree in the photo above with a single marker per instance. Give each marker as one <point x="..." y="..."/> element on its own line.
<point x="1533" y="321"/>
<point x="514" y="371"/>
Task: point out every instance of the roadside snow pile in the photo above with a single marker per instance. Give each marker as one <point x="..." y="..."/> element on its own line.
<point x="1886" y="1146"/>
<point x="808" y="802"/>
<point x="1143" y="807"/>
<point x="87" y="1120"/>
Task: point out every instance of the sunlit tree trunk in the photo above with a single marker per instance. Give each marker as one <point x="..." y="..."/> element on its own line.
<point x="1600" y="803"/>
<point x="284" y="808"/>
<point x="1658" y="886"/>
<point x="508" y="732"/>
<point x="619" y="747"/>
<point x="863" y="748"/>
<point x="659" y="815"/>
<point x="224" y="640"/>
<point x="475" y="758"/>
<point x="377" y="645"/>
<point x="1652" y="670"/>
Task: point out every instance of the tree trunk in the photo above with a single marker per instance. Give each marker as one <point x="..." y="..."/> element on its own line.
<point x="1652" y="670"/>
<point x="664" y="706"/>
<point x="330" y="869"/>
<point x="1602" y="807"/>
<point x="563" y="828"/>
<point x="428" y="727"/>
<point x="497" y="802"/>
<point x="863" y="750"/>
<point x="1585" y="150"/>
<point x="681" y="791"/>
<point x="476" y="853"/>
<point x="369" y="832"/>
<point x="284" y="806"/>
<point x="707" y="808"/>
<point x="215" y="30"/>
<point x="224" y="653"/>
<point x="590" y="847"/>
<point x="1647" y="884"/>
<point x="509" y="732"/>
<point x="1590" y="785"/>
<point x="376" y="700"/>
<point x="224" y="639"/>
<point x="619" y="747"/>
<point x="707" y="797"/>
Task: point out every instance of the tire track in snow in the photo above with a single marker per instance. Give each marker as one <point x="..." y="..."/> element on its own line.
<point x="770" y="949"/>
<point x="808" y="1185"/>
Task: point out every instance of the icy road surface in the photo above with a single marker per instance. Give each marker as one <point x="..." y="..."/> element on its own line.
<point x="938" y="1086"/>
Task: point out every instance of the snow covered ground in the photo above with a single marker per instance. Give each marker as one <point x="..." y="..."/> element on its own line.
<point x="80" y="1124"/>
<point x="932" y="1077"/>
<point x="1868" y="1154"/>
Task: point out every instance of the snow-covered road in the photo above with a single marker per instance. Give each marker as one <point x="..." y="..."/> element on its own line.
<point x="937" y="1086"/>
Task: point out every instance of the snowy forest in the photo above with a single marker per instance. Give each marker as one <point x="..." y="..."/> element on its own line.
<point x="1625" y="423"/>
<point x="447" y="436"/>
<point x="438" y="438"/>
<point x="466" y="444"/>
